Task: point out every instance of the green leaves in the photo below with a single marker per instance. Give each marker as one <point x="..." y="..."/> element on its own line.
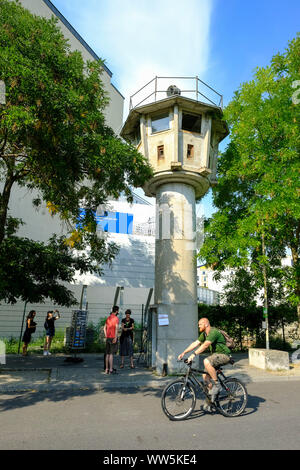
<point x="53" y="135"/>
<point x="258" y="176"/>
<point x="54" y="115"/>
<point x="33" y="270"/>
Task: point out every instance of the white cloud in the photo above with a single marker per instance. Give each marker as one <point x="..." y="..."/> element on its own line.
<point x="141" y="39"/>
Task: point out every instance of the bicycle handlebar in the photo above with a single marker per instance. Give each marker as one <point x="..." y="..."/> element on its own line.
<point x="231" y="361"/>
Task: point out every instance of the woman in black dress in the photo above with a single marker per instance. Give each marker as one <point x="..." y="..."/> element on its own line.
<point x="126" y="339"/>
<point x="30" y="328"/>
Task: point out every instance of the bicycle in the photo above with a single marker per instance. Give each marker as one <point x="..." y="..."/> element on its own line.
<point x="179" y="397"/>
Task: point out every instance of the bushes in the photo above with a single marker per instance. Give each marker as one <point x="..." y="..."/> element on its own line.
<point x="246" y="322"/>
<point x="276" y="342"/>
<point x="96" y="341"/>
<point x="36" y="345"/>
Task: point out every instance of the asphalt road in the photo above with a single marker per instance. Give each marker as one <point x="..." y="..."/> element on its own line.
<point x="133" y="419"/>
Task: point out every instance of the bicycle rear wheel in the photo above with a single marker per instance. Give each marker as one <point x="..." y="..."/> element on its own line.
<point x="232" y="400"/>
<point x="178" y="400"/>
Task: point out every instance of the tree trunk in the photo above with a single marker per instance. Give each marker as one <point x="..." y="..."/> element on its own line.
<point x="4" y="204"/>
<point x="266" y="316"/>
<point x="295" y="257"/>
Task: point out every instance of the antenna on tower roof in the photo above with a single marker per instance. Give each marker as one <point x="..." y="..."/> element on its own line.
<point x="173" y="90"/>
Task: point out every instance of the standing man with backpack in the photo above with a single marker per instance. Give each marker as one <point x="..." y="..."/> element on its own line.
<point x="111" y="334"/>
<point x="213" y="339"/>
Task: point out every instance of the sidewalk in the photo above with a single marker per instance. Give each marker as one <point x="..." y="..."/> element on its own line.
<point x="54" y="373"/>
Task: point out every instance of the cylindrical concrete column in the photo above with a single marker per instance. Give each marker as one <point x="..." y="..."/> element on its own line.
<point x="175" y="272"/>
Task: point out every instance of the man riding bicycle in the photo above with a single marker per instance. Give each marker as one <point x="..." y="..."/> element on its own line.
<point x="213" y="339"/>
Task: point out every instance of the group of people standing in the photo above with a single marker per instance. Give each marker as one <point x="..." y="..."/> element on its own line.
<point x="209" y="339"/>
<point x="111" y="329"/>
<point x="48" y="325"/>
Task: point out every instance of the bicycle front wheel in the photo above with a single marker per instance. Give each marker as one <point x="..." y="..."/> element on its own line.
<point x="232" y="400"/>
<point x="178" y="400"/>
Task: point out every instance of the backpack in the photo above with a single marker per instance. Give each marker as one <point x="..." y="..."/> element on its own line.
<point x="230" y="343"/>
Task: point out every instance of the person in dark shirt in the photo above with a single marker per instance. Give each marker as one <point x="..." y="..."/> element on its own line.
<point x="126" y="339"/>
<point x="50" y="330"/>
<point x="30" y="328"/>
<point x="212" y="339"/>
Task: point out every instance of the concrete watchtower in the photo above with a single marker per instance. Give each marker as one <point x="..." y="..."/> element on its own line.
<point x="179" y="136"/>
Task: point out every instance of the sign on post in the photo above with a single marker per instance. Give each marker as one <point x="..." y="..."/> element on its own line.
<point x="163" y="319"/>
<point x="77" y="337"/>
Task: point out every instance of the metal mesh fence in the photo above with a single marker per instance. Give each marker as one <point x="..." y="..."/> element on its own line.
<point x="11" y="317"/>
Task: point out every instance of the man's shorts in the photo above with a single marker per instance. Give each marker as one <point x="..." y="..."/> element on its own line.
<point x="111" y="348"/>
<point x="218" y="359"/>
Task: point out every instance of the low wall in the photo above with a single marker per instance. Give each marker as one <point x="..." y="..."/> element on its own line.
<point x="269" y="359"/>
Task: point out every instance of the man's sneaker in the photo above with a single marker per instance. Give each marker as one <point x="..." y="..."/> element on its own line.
<point x="49" y="353"/>
<point x="206" y="407"/>
<point x="45" y="353"/>
<point x="216" y="388"/>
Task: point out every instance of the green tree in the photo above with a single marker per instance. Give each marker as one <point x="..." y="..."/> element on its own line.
<point x="257" y="195"/>
<point x="54" y="140"/>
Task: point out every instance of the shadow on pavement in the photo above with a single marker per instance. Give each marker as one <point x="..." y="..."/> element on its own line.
<point x="14" y="400"/>
<point x="253" y="405"/>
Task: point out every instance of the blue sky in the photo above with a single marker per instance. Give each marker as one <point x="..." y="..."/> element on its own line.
<point x="221" y="41"/>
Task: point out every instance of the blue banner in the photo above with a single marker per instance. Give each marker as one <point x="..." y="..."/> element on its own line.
<point x="112" y="222"/>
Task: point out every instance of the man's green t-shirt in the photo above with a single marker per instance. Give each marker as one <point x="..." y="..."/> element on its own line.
<point x="218" y="342"/>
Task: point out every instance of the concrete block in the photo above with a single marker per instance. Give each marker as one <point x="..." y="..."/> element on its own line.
<point x="269" y="359"/>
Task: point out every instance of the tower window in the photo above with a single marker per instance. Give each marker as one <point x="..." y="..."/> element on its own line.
<point x="160" y="152"/>
<point x="160" y="123"/>
<point x="190" y="151"/>
<point x="191" y="122"/>
<point x="136" y="138"/>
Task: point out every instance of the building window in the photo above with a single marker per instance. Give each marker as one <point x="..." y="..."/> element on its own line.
<point x="160" y="152"/>
<point x="136" y="138"/>
<point x="190" y="151"/>
<point x="191" y="122"/>
<point x="160" y="123"/>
